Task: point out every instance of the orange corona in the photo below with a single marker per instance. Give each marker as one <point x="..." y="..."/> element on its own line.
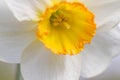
<point x="66" y="27"/>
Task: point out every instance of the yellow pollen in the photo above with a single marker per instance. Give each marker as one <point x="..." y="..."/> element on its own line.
<point x="58" y="19"/>
<point x="66" y="27"/>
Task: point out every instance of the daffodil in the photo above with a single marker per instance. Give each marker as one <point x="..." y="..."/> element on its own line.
<point x="60" y="39"/>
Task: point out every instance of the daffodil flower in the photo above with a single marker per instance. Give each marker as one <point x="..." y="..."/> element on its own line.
<point x="60" y="39"/>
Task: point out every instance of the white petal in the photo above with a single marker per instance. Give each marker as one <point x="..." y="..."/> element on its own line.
<point x="110" y="39"/>
<point x="8" y="23"/>
<point x="12" y="45"/>
<point x="38" y="63"/>
<point x="104" y="10"/>
<point x="97" y="55"/>
<point x="26" y="9"/>
<point x="112" y="73"/>
<point x="94" y="62"/>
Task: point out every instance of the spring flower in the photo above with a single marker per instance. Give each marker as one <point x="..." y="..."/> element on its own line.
<point x="60" y="39"/>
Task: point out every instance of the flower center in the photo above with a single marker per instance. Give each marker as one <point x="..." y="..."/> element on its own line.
<point x="58" y="19"/>
<point x="66" y="27"/>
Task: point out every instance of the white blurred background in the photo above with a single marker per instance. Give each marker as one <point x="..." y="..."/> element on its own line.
<point x="8" y="71"/>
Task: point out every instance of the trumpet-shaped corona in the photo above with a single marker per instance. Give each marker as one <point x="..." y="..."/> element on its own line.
<point x="66" y="27"/>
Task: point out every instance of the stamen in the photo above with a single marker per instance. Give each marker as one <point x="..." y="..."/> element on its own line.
<point x="57" y="19"/>
<point x="66" y="25"/>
